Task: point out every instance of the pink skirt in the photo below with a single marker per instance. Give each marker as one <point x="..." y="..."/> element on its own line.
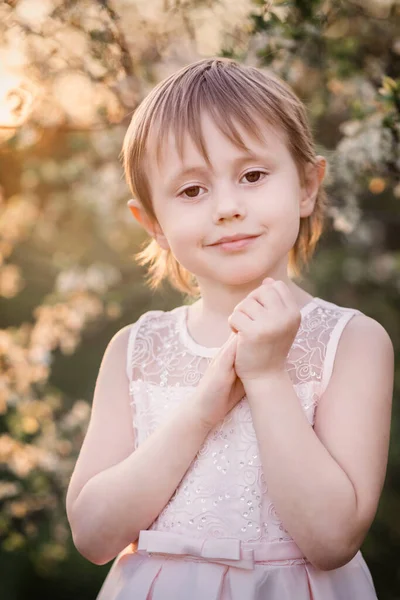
<point x="169" y="566"/>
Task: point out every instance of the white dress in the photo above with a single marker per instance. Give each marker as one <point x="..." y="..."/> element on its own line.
<point x="219" y="537"/>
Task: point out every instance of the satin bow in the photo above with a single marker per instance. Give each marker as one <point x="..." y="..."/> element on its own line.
<point x="227" y="551"/>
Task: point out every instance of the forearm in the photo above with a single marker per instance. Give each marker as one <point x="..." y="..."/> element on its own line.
<point x="117" y="503"/>
<point x="312" y="495"/>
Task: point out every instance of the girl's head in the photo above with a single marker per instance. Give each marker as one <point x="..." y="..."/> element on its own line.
<point x="256" y="172"/>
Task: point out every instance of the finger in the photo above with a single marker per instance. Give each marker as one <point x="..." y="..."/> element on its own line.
<point x="286" y="296"/>
<point x="228" y="351"/>
<point x="240" y="321"/>
<point x="230" y="343"/>
<point x="255" y="293"/>
<point x="269" y="297"/>
<point x="252" y="308"/>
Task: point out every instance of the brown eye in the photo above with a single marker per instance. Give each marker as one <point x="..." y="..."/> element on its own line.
<point x="191" y="191"/>
<point x="253" y="176"/>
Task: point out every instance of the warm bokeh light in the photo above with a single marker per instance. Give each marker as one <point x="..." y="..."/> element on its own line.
<point x="15" y="100"/>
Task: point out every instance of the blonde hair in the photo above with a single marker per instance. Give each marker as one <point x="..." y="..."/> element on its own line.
<point x="227" y="91"/>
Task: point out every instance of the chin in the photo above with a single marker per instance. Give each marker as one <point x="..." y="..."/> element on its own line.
<point x="244" y="279"/>
<point x="232" y="272"/>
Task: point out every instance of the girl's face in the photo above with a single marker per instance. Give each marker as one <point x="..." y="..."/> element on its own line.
<point x="257" y="194"/>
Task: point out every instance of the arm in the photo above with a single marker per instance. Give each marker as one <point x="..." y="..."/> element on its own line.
<point x="115" y="491"/>
<point x="326" y="482"/>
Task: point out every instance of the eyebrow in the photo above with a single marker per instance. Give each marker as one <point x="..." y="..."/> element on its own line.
<point x="200" y="169"/>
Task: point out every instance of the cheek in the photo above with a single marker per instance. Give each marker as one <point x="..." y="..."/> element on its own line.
<point x="183" y="233"/>
<point x="279" y="204"/>
<point x="272" y="209"/>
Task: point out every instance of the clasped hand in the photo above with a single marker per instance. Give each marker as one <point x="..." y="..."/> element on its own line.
<point x="266" y="323"/>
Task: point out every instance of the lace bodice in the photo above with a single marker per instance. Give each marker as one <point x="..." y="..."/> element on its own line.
<point x="224" y="493"/>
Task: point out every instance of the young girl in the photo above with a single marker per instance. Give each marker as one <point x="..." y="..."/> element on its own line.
<point x="237" y="446"/>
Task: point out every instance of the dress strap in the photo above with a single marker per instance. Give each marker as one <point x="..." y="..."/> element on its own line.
<point x="333" y="343"/>
<point x="131" y="342"/>
<point x="134" y="328"/>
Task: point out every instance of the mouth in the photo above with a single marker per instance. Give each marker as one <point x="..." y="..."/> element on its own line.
<point x="235" y="244"/>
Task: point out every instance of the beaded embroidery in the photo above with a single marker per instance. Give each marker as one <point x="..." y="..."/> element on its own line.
<point x="224" y="492"/>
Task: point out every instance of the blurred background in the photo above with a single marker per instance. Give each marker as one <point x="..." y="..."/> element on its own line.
<point x="71" y="74"/>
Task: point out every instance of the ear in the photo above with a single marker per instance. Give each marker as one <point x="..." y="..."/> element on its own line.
<point x="314" y="175"/>
<point x="152" y="228"/>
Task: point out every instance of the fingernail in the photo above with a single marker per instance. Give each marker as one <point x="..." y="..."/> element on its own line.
<point x="268" y="280"/>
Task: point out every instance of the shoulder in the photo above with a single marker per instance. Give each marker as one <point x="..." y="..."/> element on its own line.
<point x="347" y="339"/>
<point x="359" y="329"/>
<point x="121" y="339"/>
<point x="150" y="323"/>
<point x="147" y="319"/>
<point x="366" y="343"/>
<point x="154" y="317"/>
<point x="364" y="329"/>
<point x="361" y="349"/>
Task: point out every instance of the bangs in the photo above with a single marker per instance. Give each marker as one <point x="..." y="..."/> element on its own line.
<point x="229" y="101"/>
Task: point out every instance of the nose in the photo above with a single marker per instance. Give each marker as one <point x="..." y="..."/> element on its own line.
<point x="228" y="205"/>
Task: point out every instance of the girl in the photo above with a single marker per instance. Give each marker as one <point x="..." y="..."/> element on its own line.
<point x="237" y="446"/>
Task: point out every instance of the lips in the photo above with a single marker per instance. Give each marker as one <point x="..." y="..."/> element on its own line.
<point x="236" y="245"/>
<point x="234" y="238"/>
